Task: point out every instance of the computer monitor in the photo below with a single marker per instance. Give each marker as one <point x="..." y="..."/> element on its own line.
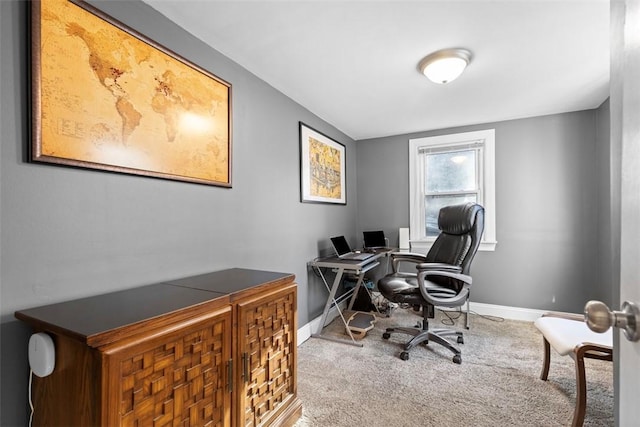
<point x="374" y="239"/>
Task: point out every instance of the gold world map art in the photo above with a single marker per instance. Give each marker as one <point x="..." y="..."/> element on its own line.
<point x="109" y="98"/>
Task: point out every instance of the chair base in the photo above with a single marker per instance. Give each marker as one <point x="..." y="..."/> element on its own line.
<point x="425" y="335"/>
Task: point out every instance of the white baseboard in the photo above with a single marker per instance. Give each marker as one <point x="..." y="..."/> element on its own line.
<point x="304" y="333"/>
<point x="511" y="313"/>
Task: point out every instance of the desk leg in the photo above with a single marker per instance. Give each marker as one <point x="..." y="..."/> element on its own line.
<point x="327" y="307"/>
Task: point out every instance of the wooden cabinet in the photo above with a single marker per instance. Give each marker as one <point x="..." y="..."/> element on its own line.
<point x="217" y="349"/>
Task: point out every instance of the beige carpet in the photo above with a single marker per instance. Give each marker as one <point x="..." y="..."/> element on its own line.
<point x="497" y="383"/>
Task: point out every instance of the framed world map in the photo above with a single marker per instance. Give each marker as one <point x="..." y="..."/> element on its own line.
<point x="106" y="97"/>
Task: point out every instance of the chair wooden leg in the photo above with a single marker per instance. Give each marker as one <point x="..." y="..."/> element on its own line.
<point x="545" y="364"/>
<point x="581" y="391"/>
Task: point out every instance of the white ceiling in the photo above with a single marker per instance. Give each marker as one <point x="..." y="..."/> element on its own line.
<point x="355" y="63"/>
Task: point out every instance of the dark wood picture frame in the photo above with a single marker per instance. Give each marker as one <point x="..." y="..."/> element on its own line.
<point x="106" y="97"/>
<point x="323" y="171"/>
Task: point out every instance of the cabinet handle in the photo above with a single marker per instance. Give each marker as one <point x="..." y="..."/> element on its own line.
<point x="245" y="367"/>
<point x="230" y="375"/>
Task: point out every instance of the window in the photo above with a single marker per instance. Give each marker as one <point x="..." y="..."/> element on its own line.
<point x="448" y="170"/>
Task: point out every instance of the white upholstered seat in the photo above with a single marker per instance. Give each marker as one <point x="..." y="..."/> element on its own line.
<point x="564" y="335"/>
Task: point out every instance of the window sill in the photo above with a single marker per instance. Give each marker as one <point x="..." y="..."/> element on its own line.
<point x="487" y="246"/>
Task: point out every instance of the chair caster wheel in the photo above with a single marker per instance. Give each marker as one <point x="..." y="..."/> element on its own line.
<point x="386" y="335"/>
<point x="457" y="359"/>
<point x="404" y="355"/>
<point x="460" y="340"/>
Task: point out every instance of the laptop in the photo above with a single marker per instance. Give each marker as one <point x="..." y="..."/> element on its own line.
<point x="374" y="240"/>
<point x="343" y="250"/>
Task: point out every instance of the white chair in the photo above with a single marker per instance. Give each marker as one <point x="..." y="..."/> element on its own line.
<point x="568" y="334"/>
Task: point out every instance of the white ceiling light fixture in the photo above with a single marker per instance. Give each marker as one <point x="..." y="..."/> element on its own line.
<point x="446" y="65"/>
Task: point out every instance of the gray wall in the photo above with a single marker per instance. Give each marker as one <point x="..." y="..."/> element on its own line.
<point x="68" y="233"/>
<point x="547" y="207"/>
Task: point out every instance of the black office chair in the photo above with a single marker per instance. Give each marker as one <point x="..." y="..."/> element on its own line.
<point x="442" y="277"/>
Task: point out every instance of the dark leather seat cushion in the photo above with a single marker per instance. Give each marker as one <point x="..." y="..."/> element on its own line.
<point x="402" y="288"/>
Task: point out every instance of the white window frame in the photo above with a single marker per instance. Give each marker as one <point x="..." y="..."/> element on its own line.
<point x="487" y="193"/>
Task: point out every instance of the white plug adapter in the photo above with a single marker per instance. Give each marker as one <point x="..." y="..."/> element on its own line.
<point x="42" y="354"/>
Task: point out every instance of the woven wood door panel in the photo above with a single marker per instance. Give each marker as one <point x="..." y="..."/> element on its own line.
<point x="269" y="338"/>
<point x="180" y="382"/>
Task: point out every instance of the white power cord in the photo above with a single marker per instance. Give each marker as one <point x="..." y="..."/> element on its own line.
<point x="30" y="400"/>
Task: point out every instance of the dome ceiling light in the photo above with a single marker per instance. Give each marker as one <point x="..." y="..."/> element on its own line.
<point x="446" y="65"/>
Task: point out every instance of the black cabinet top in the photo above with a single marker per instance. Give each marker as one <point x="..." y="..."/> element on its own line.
<point x="229" y="281"/>
<point x="97" y="319"/>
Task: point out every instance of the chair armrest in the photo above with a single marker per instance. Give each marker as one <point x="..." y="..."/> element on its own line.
<point x="449" y="301"/>
<point x="439" y="266"/>
<point x="409" y="256"/>
<point x="398" y="257"/>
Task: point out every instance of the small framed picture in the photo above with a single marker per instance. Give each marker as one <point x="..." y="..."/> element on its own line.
<point x="322" y="168"/>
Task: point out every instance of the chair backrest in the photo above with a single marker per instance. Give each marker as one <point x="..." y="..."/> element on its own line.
<point x="461" y="228"/>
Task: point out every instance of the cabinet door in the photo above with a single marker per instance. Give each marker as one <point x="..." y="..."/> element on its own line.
<point x="267" y="328"/>
<point x="175" y="376"/>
